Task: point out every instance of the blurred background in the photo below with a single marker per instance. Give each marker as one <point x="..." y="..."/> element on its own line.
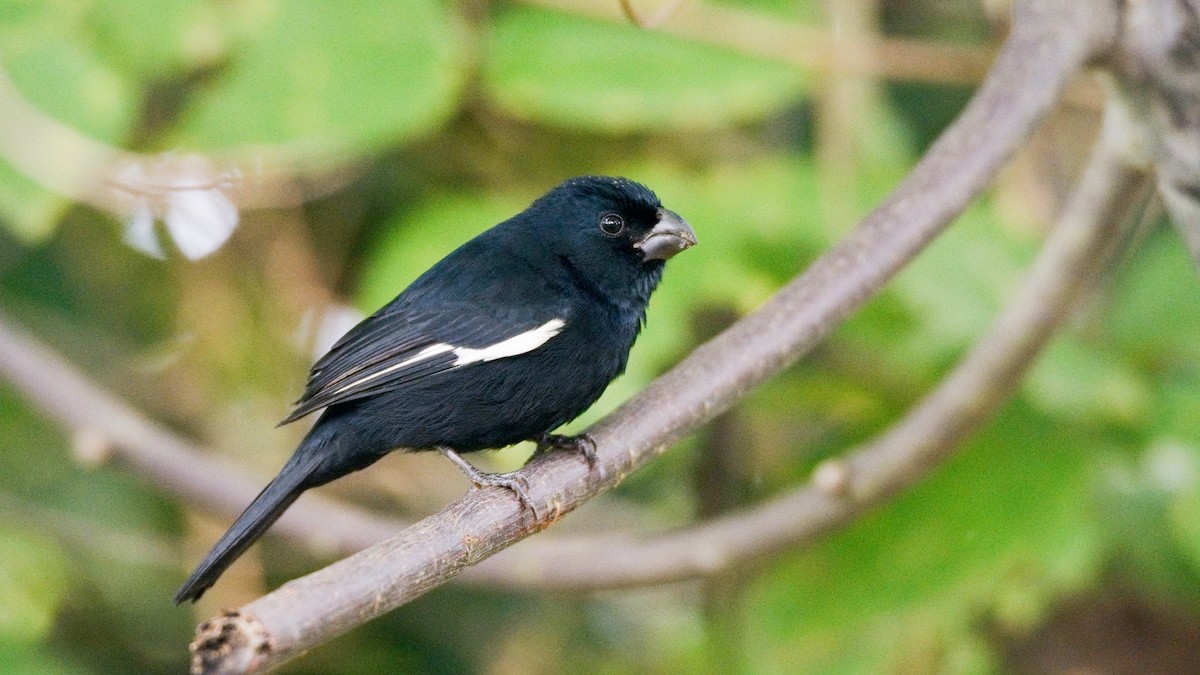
<point x="195" y="197"/>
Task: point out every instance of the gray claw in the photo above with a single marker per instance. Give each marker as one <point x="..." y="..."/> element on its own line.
<point x="513" y="481"/>
<point x="581" y="444"/>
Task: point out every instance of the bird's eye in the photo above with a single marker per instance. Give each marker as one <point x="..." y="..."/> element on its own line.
<point x="612" y="224"/>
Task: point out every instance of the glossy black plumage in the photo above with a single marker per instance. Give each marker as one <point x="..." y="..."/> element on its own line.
<point x="515" y="333"/>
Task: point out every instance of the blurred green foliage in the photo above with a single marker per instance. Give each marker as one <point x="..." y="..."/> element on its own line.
<point x="629" y="80"/>
<point x="454" y="116"/>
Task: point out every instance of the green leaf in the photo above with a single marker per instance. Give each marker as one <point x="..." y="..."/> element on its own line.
<point x="332" y="76"/>
<point x="999" y="530"/>
<point x="947" y="297"/>
<point x="1185" y="522"/>
<point x="69" y="83"/>
<point x="33" y="581"/>
<point x="1155" y="310"/>
<point x="28" y="24"/>
<point x="31" y="660"/>
<point x="51" y="61"/>
<point x="416" y="239"/>
<point x="576" y="73"/>
<point x="757" y="223"/>
<point x="1075" y="380"/>
<point x="807" y="11"/>
<point x="1143" y="507"/>
<point x="154" y="38"/>
<point x="27" y="210"/>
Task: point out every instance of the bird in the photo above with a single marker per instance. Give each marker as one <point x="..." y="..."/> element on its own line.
<point x="512" y="335"/>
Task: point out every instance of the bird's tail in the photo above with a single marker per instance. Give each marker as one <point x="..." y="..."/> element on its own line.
<point x="292" y="481"/>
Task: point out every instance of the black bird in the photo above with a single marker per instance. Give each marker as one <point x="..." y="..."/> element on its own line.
<point x="512" y="335"/>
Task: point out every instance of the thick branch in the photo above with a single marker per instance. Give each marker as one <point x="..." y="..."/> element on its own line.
<point x="844" y="488"/>
<point x="1051" y="41"/>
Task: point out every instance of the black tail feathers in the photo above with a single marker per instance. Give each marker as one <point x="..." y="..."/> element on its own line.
<point x="266" y="508"/>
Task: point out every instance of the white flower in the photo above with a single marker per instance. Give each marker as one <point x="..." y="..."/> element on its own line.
<point x="188" y="195"/>
<point x="139" y="230"/>
<point x="200" y="221"/>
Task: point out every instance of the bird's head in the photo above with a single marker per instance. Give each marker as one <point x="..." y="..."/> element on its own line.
<point x="613" y="231"/>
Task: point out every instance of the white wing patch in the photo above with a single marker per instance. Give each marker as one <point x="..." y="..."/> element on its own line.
<point x="521" y="343"/>
<point x="431" y="350"/>
<point x="518" y="344"/>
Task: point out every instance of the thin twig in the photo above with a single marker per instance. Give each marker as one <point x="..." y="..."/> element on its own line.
<point x="758" y="34"/>
<point x="1051" y="40"/>
<point x="170" y="463"/>
<point x="63" y="160"/>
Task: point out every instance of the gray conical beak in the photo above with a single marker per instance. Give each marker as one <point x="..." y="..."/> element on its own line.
<point x="670" y="236"/>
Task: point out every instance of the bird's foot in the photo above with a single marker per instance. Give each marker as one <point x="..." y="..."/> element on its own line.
<point x="581" y="444"/>
<point x="513" y="481"/>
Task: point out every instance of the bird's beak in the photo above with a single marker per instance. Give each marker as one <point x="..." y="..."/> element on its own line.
<point x="670" y="236"/>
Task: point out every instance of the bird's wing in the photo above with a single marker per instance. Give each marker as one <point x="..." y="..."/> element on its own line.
<point x="397" y="346"/>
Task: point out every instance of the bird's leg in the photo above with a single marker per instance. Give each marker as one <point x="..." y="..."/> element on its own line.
<point x="582" y="444"/>
<point x="513" y="481"/>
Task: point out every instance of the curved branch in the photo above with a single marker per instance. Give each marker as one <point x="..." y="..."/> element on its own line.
<point x="169" y="462"/>
<point x="844" y="488"/>
<point x="1051" y="40"/>
<point x="62" y="159"/>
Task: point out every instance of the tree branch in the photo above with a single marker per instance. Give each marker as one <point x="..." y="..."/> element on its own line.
<point x="169" y="462"/>
<point x="755" y="33"/>
<point x="842" y="489"/>
<point x="1051" y="40"/>
<point x="62" y="159"/>
<point x="1159" y="83"/>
